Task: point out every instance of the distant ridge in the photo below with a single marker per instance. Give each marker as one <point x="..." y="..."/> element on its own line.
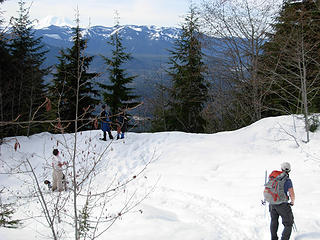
<point x="148" y="46"/>
<point x="147" y="41"/>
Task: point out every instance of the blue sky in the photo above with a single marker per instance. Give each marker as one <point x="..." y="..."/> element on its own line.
<point x="101" y="12"/>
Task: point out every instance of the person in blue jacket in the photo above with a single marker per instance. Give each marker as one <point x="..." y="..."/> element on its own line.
<point x="122" y="124"/>
<point x="105" y="123"/>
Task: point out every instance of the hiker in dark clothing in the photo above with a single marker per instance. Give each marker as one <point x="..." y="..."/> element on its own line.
<point x="283" y="209"/>
<point x="122" y="124"/>
<point x="105" y="124"/>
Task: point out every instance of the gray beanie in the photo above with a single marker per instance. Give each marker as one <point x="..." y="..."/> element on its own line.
<point x="286" y="167"/>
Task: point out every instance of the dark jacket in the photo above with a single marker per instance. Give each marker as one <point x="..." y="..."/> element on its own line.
<point x="122" y="120"/>
<point x="105" y="121"/>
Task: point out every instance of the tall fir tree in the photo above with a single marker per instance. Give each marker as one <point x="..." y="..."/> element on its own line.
<point x="26" y="88"/>
<point x="74" y="85"/>
<point x="292" y="48"/>
<point x="6" y="90"/>
<point x="6" y="210"/>
<point x="189" y="91"/>
<point x="118" y="94"/>
<point x="5" y="69"/>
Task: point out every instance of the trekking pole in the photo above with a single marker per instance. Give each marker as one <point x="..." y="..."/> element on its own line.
<point x="295" y="227"/>
<point x="263" y="202"/>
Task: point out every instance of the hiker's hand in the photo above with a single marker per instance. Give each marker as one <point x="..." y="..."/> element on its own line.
<point x="291" y="203"/>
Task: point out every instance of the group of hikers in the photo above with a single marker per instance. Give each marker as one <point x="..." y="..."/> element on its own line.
<point x="121" y="122"/>
<point x="278" y="190"/>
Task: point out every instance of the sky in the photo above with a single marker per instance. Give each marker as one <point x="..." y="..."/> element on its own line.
<point x="166" y="13"/>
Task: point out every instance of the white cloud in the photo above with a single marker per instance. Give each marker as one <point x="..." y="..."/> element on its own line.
<point x="101" y="12"/>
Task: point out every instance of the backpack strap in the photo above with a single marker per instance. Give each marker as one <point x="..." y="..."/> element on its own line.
<point x="282" y="176"/>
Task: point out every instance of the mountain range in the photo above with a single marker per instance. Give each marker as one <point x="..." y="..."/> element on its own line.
<point x="148" y="46"/>
<point x="140" y="41"/>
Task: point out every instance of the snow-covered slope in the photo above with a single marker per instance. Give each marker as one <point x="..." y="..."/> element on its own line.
<point x="206" y="186"/>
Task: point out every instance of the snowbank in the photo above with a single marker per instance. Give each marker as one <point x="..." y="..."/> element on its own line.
<point x="206" y="186"/>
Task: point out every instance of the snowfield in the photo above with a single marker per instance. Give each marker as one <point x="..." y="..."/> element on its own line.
<point x="196" y="187"/>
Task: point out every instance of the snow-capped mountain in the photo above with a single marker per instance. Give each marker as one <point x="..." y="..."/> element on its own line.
<point x="54" y="20"/>
<point x="148" y="46"/>
<point x="137" y="39"/>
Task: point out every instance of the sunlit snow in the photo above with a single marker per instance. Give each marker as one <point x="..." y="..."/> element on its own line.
<point x="204" y="186"/>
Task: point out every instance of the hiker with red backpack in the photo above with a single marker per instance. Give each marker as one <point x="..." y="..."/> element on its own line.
<point x="276" y="193"/>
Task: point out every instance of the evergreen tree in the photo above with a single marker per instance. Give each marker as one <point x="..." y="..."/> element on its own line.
<point x="189" y="87"/>
<point x="118" y="95"/>
<point x="6" y="90"/>
<point x="5" y="66"/>
<point x="292" y="61"/>
<point x="27" y="89"/>
<point x="72" y="72"/>
<point x="6" y="212"/>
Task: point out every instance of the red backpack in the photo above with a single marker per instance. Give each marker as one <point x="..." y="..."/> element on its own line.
<point x="274" y="188"/>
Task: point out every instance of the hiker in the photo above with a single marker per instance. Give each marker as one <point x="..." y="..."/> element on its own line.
<point x="282" y="206"/>
<point x="122" y="124"/>
<point x="105" y="124"/>
<point x="57" y="175"/>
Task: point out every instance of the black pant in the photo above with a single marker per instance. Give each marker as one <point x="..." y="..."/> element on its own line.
<point x="105" y="135"/>
<point x="283" y="210"/>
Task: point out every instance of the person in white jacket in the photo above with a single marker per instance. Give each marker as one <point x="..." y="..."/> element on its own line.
<point x="57" y="175"/>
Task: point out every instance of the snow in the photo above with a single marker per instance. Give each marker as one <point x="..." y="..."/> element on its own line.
<point x="152" y="32"/>
<point x="54" y="20"/>
<point x="155" y="35"/>
<point x="172" y="36"/>
<point x="135" y="28"/>
<point x="55" y="36"/>
<point x="116" y="30"/>
<point x="197" y="186"/>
